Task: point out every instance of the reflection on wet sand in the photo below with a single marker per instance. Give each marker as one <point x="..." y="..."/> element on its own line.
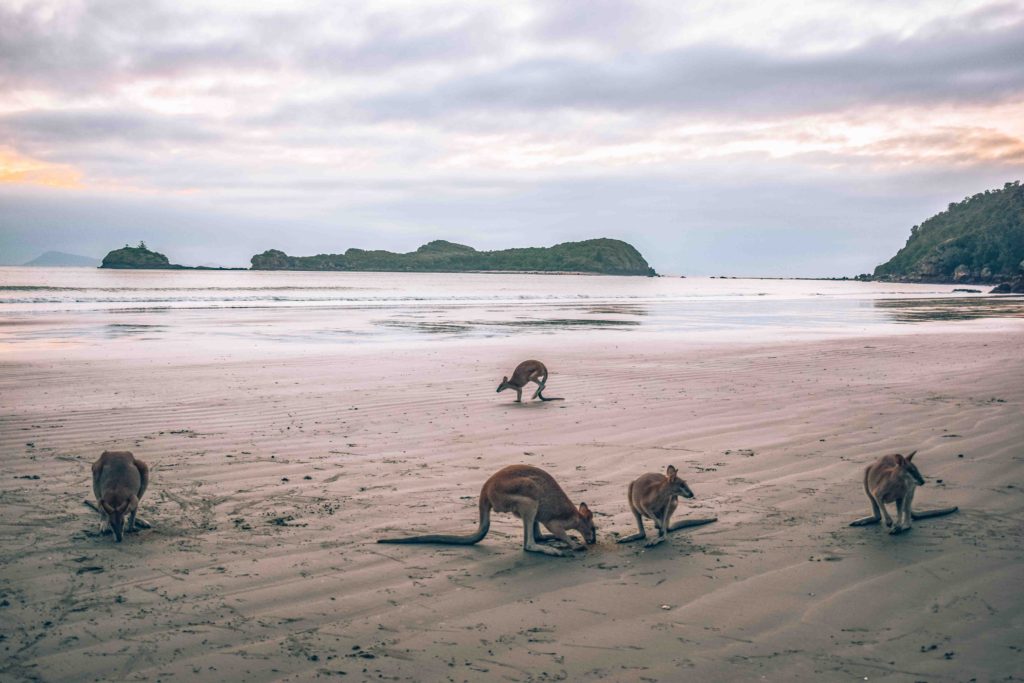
<point x="493" y="326"/>
<point x="960" y="308"/>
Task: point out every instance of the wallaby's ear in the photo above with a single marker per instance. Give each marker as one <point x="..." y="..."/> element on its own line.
<point x="504" y="380"/>
<point x="585" y="511"/>
<point x="911" y="456"/>
<point x="671" y="472"/>
<point x="901" y="460"/>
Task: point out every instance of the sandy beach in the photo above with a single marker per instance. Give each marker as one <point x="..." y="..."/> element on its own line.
<point x="272" y="479"/>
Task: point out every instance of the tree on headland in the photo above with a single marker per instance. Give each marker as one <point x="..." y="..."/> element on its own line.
<point x="978" y="239"/>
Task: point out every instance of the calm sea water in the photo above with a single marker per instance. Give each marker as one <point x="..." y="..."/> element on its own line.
<point x="43" y="310"/>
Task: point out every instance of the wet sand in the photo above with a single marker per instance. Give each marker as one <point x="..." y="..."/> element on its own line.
<point x="272" y="479"/>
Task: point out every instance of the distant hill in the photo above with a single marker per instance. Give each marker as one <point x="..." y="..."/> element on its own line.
<point x="980" y="239"/>
<point x="58" y="259"/>
<point x="604" y="256"/>
<point x="137" y="258"/>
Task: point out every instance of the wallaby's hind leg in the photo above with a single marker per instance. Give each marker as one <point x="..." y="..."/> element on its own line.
<point x="135" y="523"/>
<point x="662" y="525"/>
<point x="528" y="510"/>
<point x="640" y="525"/>
<point x="879" y="506"/>
<point x="637" y="516"/>
<point x="538" y="536"/>
<point x="874" y="518"/>
<point x="540" y="388"/>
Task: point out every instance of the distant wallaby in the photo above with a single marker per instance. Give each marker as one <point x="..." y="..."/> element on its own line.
<point x="893" y="479"/>
<point x="118" y="480"/>
<point x="533" y="495"/>
<point x="655" y="496"/>
<point x="526" y="372"/>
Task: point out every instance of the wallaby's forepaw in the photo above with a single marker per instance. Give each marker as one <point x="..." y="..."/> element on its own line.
<point x="896" y="530"/>
<point x="140" y="523"/>
<point x="105" y="528"/>
<point x="654" y="541"/>
<point x="888" y="522"/>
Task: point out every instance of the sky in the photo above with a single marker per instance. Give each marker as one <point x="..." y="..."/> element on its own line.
<point x="764" y="138"/>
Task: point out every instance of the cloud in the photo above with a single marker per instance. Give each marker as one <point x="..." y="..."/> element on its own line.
<point x="718" y="80"/>
<point x="678" y="125"/>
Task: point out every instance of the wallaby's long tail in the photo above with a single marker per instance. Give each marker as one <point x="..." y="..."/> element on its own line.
<point x="925" y="514"/>
<point x="485" y="525"/>
<point x="687" y="523"/>
<point x="916" y="515"/>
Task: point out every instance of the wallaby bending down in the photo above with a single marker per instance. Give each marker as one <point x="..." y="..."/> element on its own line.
<point x="533" y="495"/>
<point x="118" y="480"/>
<point x="655" y="496"/>
<point x="894" y="478"/>
<point x="526" y="372"/>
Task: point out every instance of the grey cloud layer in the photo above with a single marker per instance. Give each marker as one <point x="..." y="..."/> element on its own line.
<point x="707" y="79"/>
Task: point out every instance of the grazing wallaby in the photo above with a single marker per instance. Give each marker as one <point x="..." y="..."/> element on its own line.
<point x="894" y="478"/>
<point x="526" y="372"/>
<point x="119" y="479"/>
<point x="533" y="495"/>
<point x="655" y="496"/>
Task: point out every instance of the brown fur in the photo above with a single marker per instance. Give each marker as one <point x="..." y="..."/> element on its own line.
<point x="534" y="496"/>
<point x="119" y="480"/>
<point x="892" y="479"/>
<point x="526" y="372"/>
<point x="655" y="496"/>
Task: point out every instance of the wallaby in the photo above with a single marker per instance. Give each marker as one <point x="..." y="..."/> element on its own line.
<point x="533" y="495"/>
<point x="118" y="480"/>
<point x="526" y="372"/>
<point x="894" y="478"/>
<point x="655" y="496"/>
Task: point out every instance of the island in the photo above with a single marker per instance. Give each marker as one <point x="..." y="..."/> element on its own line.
<point x="138" y="258"/>
<point x="978" y="240"/>
<point x="142" y="258"/>
<point x="601" y="256"/>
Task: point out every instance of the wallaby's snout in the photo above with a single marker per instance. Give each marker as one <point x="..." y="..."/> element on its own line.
<point x="587" y="528"/>
<point x="115" y="516"/>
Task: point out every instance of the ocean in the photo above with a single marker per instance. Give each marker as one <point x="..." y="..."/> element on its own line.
<point x="54" y="311"/>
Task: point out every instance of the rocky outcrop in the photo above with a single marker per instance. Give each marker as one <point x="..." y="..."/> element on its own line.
<point x="1015" y="286"/>
<point x="978" y="240"/>
<point x="137" y="258"/>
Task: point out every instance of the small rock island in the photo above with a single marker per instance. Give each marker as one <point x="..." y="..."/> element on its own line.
<point x="138" y="258"/>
